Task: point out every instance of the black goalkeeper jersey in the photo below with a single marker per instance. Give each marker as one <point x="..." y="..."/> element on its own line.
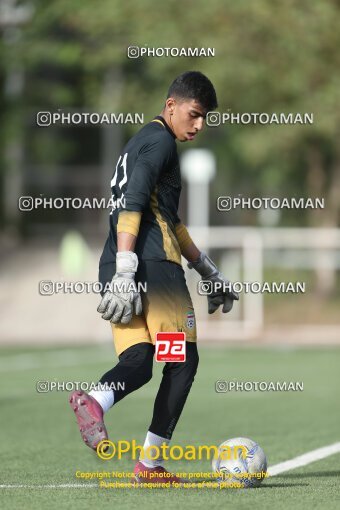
<point x="147" y="179"/>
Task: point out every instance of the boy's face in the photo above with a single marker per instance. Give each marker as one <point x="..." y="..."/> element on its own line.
<point x="186" y="118"/>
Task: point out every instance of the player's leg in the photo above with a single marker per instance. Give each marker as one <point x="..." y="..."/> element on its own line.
<point x="173" y="392"/>
<point x="170" y="400"/>
<point x="134" y="369"/>
<point x="131" y="373"/>
<point x="171" y="311"/>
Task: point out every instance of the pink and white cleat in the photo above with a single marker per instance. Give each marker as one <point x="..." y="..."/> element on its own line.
<point x="89" y="416"/>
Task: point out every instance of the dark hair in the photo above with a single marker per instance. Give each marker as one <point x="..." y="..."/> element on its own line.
<point x="194" y="85"/>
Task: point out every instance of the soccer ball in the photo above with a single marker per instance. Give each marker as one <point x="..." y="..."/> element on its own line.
<point x="240" y="460"/>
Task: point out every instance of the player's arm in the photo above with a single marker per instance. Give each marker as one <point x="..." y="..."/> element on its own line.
<point x="188" y="248"/>
<point x="126" y="241"/>
<point x="222" y="293"/>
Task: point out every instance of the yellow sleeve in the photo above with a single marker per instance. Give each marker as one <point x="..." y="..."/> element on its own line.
<point x="129" y="221"/>
<point x="183" y="237"/>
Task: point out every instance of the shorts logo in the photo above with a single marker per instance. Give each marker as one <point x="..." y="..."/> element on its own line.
<point x="170" y="347"/>
<point x="190" y="320"/>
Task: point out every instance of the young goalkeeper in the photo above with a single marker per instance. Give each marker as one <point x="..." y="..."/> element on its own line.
<point x="145" y="245"/>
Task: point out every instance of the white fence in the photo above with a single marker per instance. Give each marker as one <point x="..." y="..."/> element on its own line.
<point x="243" y="254"/>
<point x="245" y="250"/>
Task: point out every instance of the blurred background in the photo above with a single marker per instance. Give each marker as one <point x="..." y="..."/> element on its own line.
<point x="71" y="56"/>
<point x="270" y="56"/>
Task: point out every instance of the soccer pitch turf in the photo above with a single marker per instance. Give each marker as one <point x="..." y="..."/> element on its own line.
<point x="41" y="445"/>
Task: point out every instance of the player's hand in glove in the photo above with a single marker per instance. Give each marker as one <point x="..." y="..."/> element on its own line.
<point x="122" y="300"/>
<point x="222" y="293"/>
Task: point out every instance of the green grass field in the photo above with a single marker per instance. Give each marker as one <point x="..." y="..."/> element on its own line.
<point x="41" y="444"/>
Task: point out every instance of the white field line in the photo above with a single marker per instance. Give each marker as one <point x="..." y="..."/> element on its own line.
<point x="51" y="486"/>
<point x="306" y="458"/>
<point x="301" y="460"/>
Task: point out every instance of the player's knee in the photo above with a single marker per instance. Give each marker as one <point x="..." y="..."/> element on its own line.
<point x="185" y="371"/>
<point x="139" y="358"/>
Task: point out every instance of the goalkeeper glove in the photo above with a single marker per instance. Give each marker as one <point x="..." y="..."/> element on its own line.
<point x="221" y="290"/>
<point x="119" y="303"/>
